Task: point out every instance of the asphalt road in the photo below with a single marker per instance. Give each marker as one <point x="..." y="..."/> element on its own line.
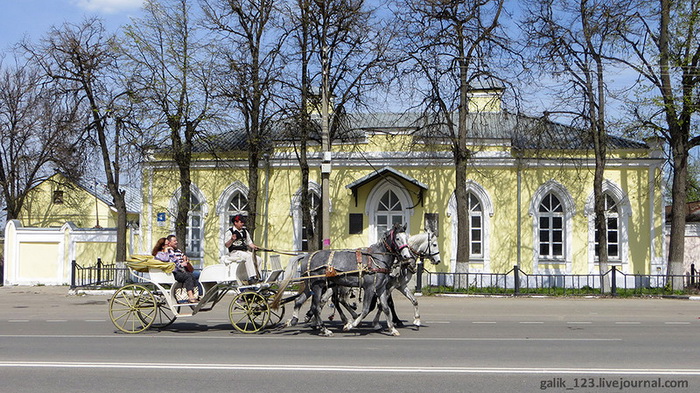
<point x="52" y="341"/>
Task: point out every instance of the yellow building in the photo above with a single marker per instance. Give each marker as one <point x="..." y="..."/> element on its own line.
<point x="58" y="200"/>
<point x="530" y="185"/>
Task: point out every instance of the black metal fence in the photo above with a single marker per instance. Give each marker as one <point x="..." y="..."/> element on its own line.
<point x="516" y="282"/>
<point x="101" y="275"/>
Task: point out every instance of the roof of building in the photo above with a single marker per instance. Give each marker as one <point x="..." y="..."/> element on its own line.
<point x="693" y="212"/>
<point x="523" y="132"/>
<point x="101" y="192"/>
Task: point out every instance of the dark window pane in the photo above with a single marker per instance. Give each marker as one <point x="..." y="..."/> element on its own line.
<point x="557" y="249"/>
<point x="557" y="222"/>
<point x="557" y="236"/>
<point x="476" y="222"/>
<point x="476" y="248"/>
<point x="613" y="250"/>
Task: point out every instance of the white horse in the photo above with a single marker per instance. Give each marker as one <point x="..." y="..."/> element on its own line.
<point x="422" y="245"/>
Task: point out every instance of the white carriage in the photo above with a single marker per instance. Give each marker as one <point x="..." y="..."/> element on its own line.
<point x="155" y="299"/>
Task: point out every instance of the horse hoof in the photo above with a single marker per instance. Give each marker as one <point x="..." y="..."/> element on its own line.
<point x="326" y="333"/>
<point x="347" y="327"/>
<point x="394" y="332"/>
<point x="292" y="322"/>
<point x="377" y="327"/>
<point x="416" y="322"/>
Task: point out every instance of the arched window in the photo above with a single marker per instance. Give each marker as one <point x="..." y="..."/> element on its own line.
<point x="232" y="201"/>
<point x="476" y="226"/>
<point x="237" y="205"/>
<point x="551" y="227"/>
<point x="617" y="213"/>
<point x="389" y="212"/>
<point x="194" y="230"/>
<point x="552" y="210"/>
<point x="301" y="233"/>
<point x="480" y="211"/>
<point x="613" y="222"/>
<point x="195" y="224"/>
<point x="315" y="202"/>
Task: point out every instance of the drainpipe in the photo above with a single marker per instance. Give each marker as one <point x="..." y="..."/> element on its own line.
<point x="266" y="157"/>
<point x="518" y="163"/>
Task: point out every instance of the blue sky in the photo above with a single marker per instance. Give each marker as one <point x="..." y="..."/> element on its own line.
<point x="33" y="18"/>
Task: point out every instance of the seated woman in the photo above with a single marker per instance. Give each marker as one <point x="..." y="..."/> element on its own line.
<point x="163" y="252"/>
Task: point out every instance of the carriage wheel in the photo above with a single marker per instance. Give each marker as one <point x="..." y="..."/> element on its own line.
<point x="277" y="314"/>
<point x="249" y="312"/>
<point x="133" y="308"/>
<point x="164" y="315"/>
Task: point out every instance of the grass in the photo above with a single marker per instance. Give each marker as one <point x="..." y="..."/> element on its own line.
<point x="555" y="291"/>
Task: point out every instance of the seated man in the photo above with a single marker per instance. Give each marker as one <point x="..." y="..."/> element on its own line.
<point x="240" y="245"/>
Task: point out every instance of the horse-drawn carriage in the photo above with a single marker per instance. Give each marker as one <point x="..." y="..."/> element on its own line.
<point x="154" y="299"/>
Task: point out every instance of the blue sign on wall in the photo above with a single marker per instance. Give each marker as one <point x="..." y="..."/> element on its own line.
<point x="160" y="219"/>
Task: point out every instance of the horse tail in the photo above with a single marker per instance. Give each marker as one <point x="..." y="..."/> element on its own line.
<point x="289" y="273"/>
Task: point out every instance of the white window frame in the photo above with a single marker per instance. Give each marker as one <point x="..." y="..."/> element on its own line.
<point x="569" y="211"/>
<point x="203" y="213"/>
<point x="624" y="212"/>
<point x="373" y="199"/>
<point x="223" y="213"/>
<point x="295" y="213"/>
<point x="484" y="199"/>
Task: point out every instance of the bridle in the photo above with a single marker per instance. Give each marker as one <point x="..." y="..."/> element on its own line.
<point x="392" y="247"/>
<point x="429" y="254"/>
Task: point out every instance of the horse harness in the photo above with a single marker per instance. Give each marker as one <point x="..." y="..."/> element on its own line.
<point x="364" y="265"/>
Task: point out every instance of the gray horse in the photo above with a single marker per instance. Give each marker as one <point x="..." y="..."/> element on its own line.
<point x="423" y="246"/>
<point x="367" y="268"/>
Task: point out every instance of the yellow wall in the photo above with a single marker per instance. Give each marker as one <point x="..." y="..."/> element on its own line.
<point x="498" y="177"/>
<point x="79" y="206"/>
<point x="44" y="262"/>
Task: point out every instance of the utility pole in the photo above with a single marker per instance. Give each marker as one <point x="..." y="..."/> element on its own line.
<point x="325" y="138"/>
<point x="326" y="156"/>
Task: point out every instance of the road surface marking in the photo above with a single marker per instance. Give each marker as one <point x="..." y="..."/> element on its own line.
<point x="175" y="367"/>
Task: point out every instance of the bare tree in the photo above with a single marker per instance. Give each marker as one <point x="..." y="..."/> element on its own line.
<point x="664" y="37"/>
<point x="249" y="47"/>
<point x="342" y="49"/>
<point x="302" y="128"/>
<point x="80" y="59"/>
<point x="168" y="70"/>
<point x="573" y="40"/>
<point x="37" y="132"/>
<point x="452" y="46"/>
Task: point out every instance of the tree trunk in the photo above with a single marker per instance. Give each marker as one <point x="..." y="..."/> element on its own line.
<point x="679" y="210"/>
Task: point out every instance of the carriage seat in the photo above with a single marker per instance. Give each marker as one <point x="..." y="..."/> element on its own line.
<point x="157" y="275"/>
<point x="275" y="275"/>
